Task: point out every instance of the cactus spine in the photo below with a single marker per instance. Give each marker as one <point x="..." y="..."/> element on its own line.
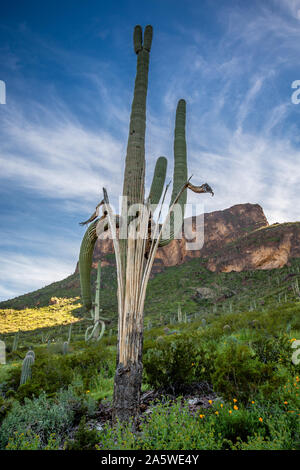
<point x="26" y="372"/>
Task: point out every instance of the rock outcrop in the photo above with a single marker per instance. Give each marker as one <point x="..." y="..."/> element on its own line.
<point x="268" y="248"/>
<point x="234" y="239"/>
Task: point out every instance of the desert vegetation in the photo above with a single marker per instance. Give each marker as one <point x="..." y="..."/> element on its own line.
<point x="189" y="359"/>
<point x="217" y="376"/>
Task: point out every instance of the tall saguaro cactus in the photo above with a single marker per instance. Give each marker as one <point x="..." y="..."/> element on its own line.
<point x="135" y="249"/>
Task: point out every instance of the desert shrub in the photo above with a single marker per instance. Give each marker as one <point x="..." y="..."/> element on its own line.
<point x="5" y="406"/>
<point x="236" y="423"/>
<point x="168" y="427"/>
<point x="279" y="430"/>
<point x="173" y="427"/>
<point x="43" y="417"/>
<point x="51" y="373"/>
<point x="84" y="439"/>
<point x="171" y="363"/>
<point x="273" y="349"/>
<point x="30" y="441"/>
<point x="239" y="372"/>
<point x="40" y="416"/>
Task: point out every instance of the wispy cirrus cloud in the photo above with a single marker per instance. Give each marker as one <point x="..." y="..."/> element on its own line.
<point x="20" y="273"/>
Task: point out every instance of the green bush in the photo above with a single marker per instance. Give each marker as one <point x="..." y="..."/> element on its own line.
<point x="5" y="406"/>
<point x="84" y="439"/>
<point x="44" y="417"/>
<point x="171" y="426"/>
<point x="239" y="372"/>
<point x="171" y="363"/>
<point x="51" y="373"/>
<point x="30" y="441"/>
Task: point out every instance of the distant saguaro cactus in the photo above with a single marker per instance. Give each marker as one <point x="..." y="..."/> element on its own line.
<point x="93" y="332"/>
<point x="179" y="314"/>
<point x="16" y="341"/>
<point x="70" y="333"/>
<point x="26" y="371"/>
<point x="65" y="348"/>
<point x="2" y="353"/>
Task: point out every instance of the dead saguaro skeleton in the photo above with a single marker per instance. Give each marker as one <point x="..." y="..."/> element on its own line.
<point x="135" y="252"/>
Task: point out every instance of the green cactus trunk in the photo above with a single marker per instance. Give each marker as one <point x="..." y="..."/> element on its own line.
<point x="70" y="333"/>
<point x="97" y="303"/>
<point x="158" y="181"/>
<point x="128" y="378"/>
<point x="16" y="341"/>
<point x="85" y="263"/>
<point x="65" y="348"/>
<point x="2" y="352"/>
<point x="93" y="332"/>
<point x="26" y="371"/>
<point x="134" y="174"/>
<point x="180" y="175"/>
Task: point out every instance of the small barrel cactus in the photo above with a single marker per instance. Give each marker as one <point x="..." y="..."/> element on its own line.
<point x="26" y="367"/>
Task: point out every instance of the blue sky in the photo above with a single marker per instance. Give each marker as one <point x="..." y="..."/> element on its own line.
<point x="69" y="70"/>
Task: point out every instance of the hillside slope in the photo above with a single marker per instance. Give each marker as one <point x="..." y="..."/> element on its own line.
<point x="236" y="266"/>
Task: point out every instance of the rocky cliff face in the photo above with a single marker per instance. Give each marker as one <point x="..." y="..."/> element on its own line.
<point x="267" y="248"/>
<point x="235" y="239"/>
<point x="219" y="229"/>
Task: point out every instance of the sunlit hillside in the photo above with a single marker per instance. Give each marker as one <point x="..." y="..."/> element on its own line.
<point x="59" y="313"/>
